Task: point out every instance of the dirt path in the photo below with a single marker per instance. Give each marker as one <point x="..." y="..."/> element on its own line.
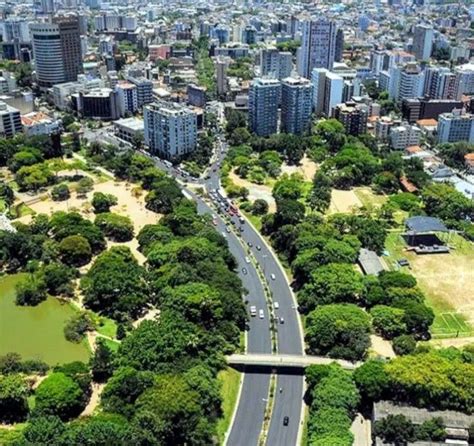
<point x="307" y="168"/>
<point x="149" y="316"/>
<point x="344" y="201"/>
<point x="381" y="347"/>
<point x="94" y="399"/>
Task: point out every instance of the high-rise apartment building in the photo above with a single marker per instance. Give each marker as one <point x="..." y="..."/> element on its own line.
<point x="406" y="82"/>
<point x="144" y="90"/>
<point x="170" y="129"/>
<point x="127" y="98"/>
<point x="456" y="126"/>
<point x="423" y="42"/>
<point x="353" y="117"/>
<point x="274" y="63"/>
<point x="221" y="75"/>
<point x="264" y="96"/>
<point x="296" y="105"/>
<point x="464" y="79"/>
<point x="318" y="46"/>
<point x="328" y="89"/>
<point x="57" y="51"/>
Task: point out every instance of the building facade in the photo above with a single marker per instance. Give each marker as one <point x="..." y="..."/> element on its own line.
<point x="296" y="105"/>
<point x="353" y="116"/>
<point x="10" y="120"/>
<point x="423" y="42"/>
<point x="264" y="95"/>
<point x="170" y="129"/>
<point x="456" y="126"/>
<point x="57" y="51"/>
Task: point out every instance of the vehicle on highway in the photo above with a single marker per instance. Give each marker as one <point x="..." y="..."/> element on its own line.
<point x="242" y="220"/>
<point x="282" y="321"/>
<point x="224" y="234"/>
<point x="227" y="229"/>
<point x="247" y="260"/>
<point x="250" y="244"/>
<point x="272" y="276"/>
<point x="259" y="248"/>
<point x="286" y="420"/>
<point x="253" y="310"/>
<point x="276" y="305"/>
<point x="241" y="229"/>
<point x="244" y="271"/>
<point x="261" y="315"/>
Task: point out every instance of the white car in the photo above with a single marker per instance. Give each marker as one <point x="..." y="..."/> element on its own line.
<point x="247" y="260"/>
<point x="276" y="305"/>
<point x="253" y="310"/>
<point x="261" y="314"/>
<point x="272" y="276"/>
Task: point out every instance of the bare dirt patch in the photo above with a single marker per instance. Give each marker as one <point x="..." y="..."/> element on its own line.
<point x="344" y="201"/>
<point x="307" y="168"/>
<point x="255" y="191"/>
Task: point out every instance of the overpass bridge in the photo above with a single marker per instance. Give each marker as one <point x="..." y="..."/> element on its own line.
<point x="286" y="361"/>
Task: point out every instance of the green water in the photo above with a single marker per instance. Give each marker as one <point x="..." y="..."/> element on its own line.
<point x="36" y="332"/>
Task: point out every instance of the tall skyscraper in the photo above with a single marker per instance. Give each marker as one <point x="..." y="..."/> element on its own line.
<point x="328" y="89"/>
<point x="406" y="82"/>
<point x="423" y="42"/>
<point x="296" y="105"/>
<point x="318" y="46"/>
<point x="170" y="129"/>
<point x="264" y="95"/>
<point x="57" y="51"/>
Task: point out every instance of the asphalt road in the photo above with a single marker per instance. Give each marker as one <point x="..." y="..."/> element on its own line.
<point x="248" y="421"/>
<point x="289" y="401"/>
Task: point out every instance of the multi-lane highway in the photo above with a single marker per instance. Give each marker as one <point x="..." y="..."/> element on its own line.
<point x="289" y="388"/>
<point x="248" y="422"/>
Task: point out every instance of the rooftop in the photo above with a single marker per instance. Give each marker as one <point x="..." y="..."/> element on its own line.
<point x="421" y="223"/>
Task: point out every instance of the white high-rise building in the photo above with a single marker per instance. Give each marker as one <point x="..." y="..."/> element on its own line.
<point x="318" y="46"/>
<point x="170" y="129"/>
<point x="423" y="42"/>
<point x="296" y="105"/>
<point x="127" y="98"/>
<point x="406" y="82"/>
<point x="464" y="79"/>
<point x="264" y="95"/>
<point x="16" y="29"/>
<point x="456" y="126"/>
<point x="328" y="89"/>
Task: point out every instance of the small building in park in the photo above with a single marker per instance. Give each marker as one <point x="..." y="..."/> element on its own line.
<point x="424" y="235"/>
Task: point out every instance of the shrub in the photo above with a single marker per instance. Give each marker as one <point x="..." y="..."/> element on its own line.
<point x="75" y="250"/>
<point x="60" y="192"/>
<point x="31" y="291"/>
<point x="77" y="326"/>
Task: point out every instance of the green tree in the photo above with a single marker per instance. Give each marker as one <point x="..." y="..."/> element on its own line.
<point x="77" y="326"/>
<point x="44" y="430"/>
<point x="75" y="250"/>
<point x="102" y="202"/>
<point x="164" y="196"/>
<point x="444" y="201"/>
<point x="388" y="321"/>
<point x="116" y="227"/>
<point x="6" y="193"/>
<point x="329" y="284"/>
<point x="404" y="344"/>
<point x="115" y="285"/>
<point x="13" y="399"/>
<point x="59" y="395"/>
<point x="431" y="430"/>
<point x="34" y="177"/>
<point x="176" y="410"/>
<point x="395" y="429"/>
<point x="58" y="279"/>
<point x="30" y="291"/>
<point x="320" y="197"/>
<point x="60" y="192"/>
<point x="332" y="132"/>
<point x="123" y="389"/>
<point x="84" y="186"/>
<point x="28" y="156"/>
<point x="102" y="362"/>
<point x="259" y="207"/>
<point x="372" y="380"/>
<point x="339" y="330"/>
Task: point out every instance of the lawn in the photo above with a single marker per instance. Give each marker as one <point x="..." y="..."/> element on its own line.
<point x="368" y="198"/>
<point x="230" y="384"/>
<point x="446" y="280"/>
<point x="36" y="332"/>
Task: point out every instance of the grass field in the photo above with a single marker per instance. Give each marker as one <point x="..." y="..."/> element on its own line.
<point x="368" y="198"/>
<point x="446" y="280"/>
<point x="230" y="383"/>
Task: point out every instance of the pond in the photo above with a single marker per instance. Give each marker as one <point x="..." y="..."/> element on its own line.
<point x="36" y="332"/>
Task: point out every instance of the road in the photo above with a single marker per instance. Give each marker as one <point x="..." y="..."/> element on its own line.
<point x="289" y="401"/>
<point x="248" y="421"/>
